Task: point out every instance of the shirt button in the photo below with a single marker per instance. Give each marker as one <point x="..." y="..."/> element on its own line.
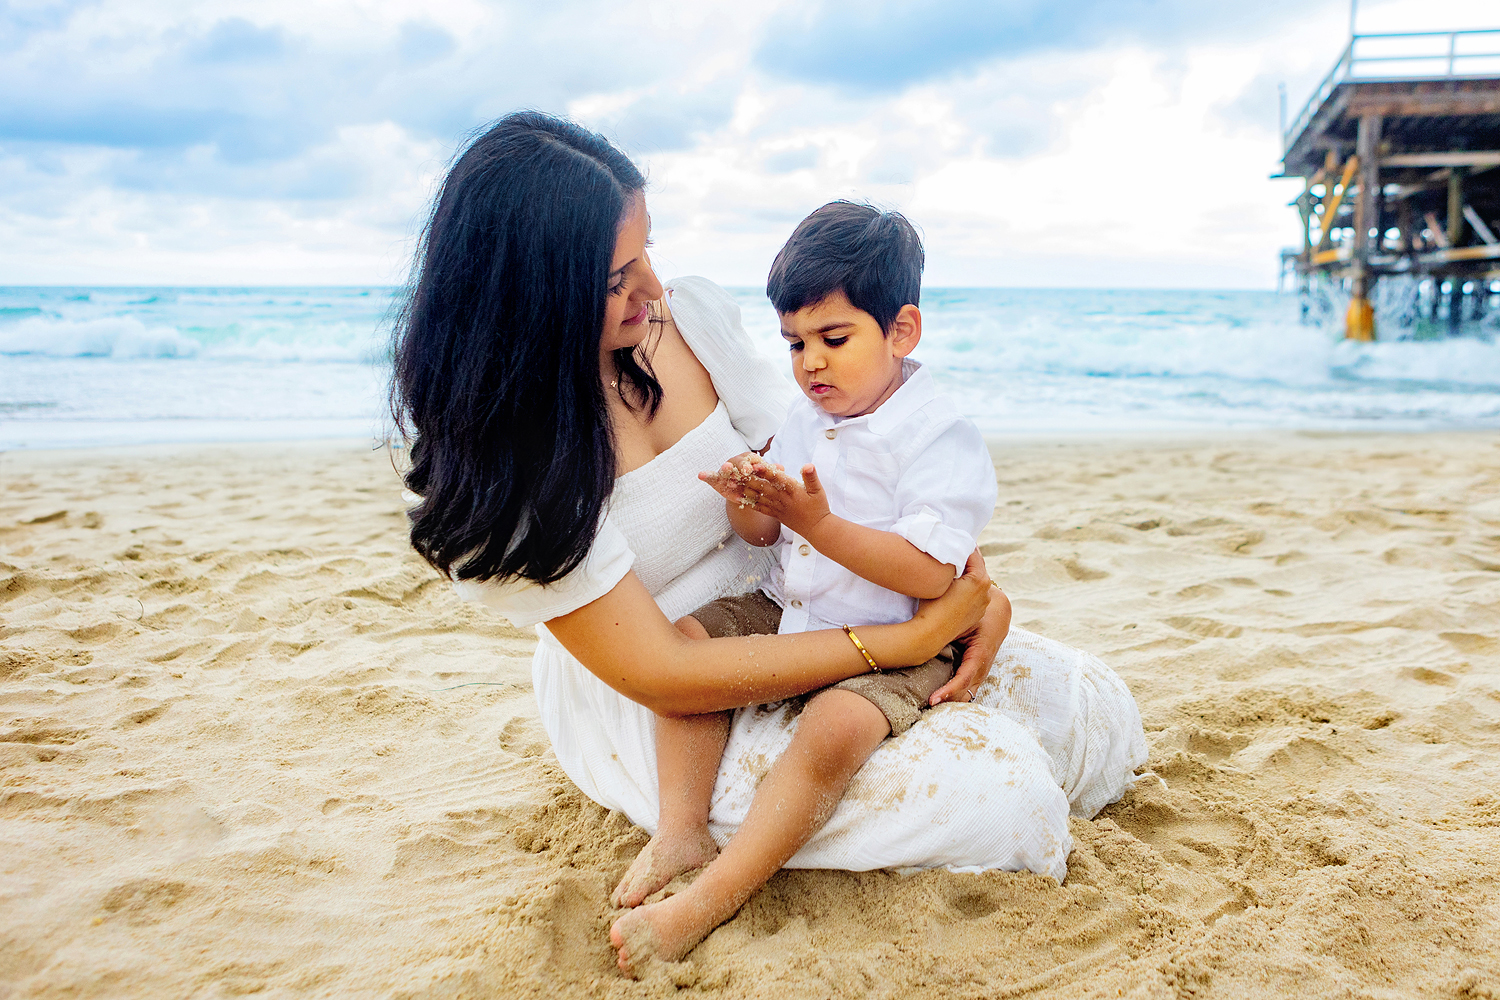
<point x="796" y="604"/>
<point x="805" y="550"/>
<point x="830" y="433"/>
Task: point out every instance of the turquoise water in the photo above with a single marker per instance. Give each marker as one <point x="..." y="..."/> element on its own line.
<point x="94" y="366"/>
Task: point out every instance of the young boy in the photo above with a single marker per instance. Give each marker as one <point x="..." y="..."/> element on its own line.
<point x="896" y="486"/>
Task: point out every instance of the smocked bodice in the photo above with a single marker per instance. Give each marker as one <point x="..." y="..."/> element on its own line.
<point x="686" y="553"/>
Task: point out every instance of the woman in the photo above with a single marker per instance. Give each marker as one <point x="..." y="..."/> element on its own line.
<point x="560" y="402"/>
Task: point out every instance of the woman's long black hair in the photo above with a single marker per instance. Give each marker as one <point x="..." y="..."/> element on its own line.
<point x="497" y="383"/>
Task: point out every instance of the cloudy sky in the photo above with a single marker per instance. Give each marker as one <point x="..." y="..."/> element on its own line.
<point x="1109" y="143"/>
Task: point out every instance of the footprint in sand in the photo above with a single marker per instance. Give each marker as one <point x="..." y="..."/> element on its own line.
<point x="973" y="905"/>
<point x="145" y="901"/>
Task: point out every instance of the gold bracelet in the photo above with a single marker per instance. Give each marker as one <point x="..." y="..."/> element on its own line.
<point x="861" y="647"/>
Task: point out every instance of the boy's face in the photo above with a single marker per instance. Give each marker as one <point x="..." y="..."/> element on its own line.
<point x="842" y="359"/>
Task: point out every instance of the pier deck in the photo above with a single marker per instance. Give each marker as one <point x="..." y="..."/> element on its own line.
<point x="1399" y="149"/>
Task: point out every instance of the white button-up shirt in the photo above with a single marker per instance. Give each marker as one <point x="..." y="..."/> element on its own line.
<point x="915" y="467"/>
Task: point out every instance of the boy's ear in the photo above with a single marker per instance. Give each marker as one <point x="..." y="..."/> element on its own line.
<point x="906" y="331"/>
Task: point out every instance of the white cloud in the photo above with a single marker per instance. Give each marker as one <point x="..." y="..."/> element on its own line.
<point x="68" y="225"/>
<point x="281" y="141"/>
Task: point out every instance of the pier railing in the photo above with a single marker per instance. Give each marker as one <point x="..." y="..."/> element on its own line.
<point x="1413" y="55"/>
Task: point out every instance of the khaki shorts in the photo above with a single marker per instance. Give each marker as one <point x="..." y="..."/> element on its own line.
<point x="901" y="695"/>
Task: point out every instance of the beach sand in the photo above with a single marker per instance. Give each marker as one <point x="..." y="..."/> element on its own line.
<point x="249" y="744"/>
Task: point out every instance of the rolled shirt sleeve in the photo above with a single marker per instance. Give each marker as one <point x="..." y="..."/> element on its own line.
<point x="756" y="390"/>
<point x="947" y="494"/>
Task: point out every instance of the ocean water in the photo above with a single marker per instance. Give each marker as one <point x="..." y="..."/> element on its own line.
<point x="114" y="366"/>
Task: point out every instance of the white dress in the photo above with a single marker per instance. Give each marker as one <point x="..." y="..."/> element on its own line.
<point x="983" y="785"/>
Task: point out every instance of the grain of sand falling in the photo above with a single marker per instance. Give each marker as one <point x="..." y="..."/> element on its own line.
<point x="250" y="744"/>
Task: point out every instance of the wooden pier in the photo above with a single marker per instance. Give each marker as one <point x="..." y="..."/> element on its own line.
<point x="1399" y="149"/>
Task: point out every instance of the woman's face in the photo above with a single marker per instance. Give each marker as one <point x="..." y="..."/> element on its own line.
<point x="633" y="285"/>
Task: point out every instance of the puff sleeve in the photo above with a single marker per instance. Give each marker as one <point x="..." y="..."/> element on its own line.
<point x="525" y="602"/>
<point x="755" y="391"/>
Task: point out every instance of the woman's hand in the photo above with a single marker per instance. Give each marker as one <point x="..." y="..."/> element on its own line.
<point x="961" y="609"/>
<point x="980" y="647"/>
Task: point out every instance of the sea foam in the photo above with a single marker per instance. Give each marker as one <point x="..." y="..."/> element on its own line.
<point x="105" y="337"/>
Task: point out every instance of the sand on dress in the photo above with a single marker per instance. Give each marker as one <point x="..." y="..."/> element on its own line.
<point x="249" y="744"/>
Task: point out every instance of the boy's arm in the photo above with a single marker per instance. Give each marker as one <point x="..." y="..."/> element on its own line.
<point x="882" y="557"/>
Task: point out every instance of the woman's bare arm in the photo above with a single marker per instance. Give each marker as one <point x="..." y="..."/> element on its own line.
<point x="625" y="640"/>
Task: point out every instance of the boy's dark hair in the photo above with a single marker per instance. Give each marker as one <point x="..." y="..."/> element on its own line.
<point x="875" y="258"/>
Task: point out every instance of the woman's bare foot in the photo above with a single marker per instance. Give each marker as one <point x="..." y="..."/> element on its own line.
<point x="667" y="856"/>
<point x="667" y="930"/>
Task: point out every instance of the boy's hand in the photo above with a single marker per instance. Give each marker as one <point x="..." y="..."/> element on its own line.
<point x="798" y="505"/>
<point x="736" y="481"/>
<point x="731" y="479"/>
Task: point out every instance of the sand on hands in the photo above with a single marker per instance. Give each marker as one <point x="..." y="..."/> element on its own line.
<point x="249" y="743"/>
